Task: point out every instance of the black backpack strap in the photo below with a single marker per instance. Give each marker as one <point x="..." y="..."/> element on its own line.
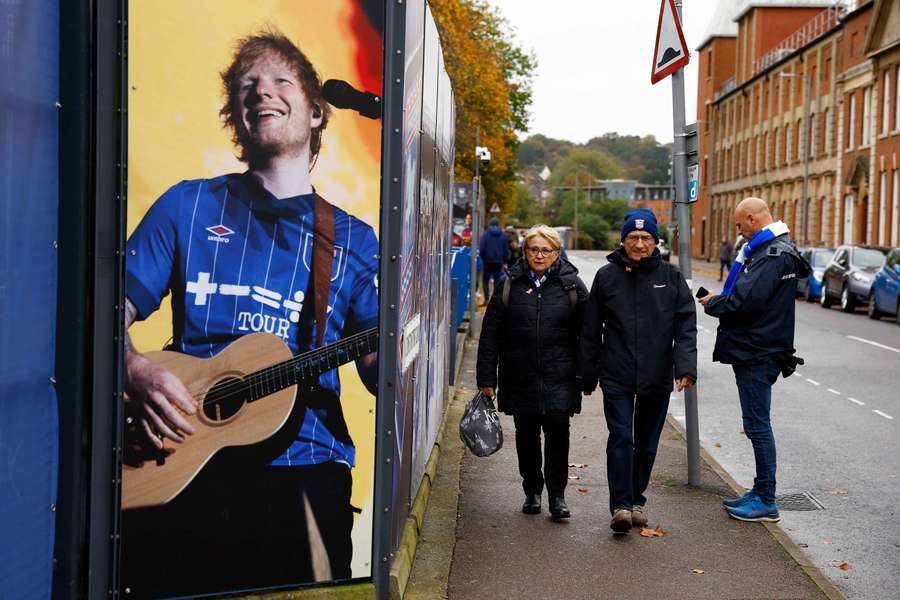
<point x="573" y="297"/>
<point x="504" y="295"/>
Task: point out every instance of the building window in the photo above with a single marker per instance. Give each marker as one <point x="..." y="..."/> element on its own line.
<point x="882" y="208"/>
<point x="789" y="146"/>
<point x="829" y="130"/>
<point x="851" y="130"/>
<point x="778" y="147"/>
<point x="813" y="135"/>
<point x="758" y="157"/>
<point x="799" y="140"/>
<point x="895" y="209"/>
<point x="897" y="98"/>
<point x="767" y="156"/>
<point x="866" y="115"/>
<point x="886" y="103"/>
<point x="709" y="63"/>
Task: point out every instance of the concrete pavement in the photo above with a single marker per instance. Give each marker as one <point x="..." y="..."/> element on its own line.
<point x="476" y="543"/>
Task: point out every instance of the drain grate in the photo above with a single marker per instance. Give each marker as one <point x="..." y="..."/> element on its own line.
<point x="799" y="501"/>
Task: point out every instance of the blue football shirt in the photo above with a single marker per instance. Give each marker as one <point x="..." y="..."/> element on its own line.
<point x="237" y="260"/>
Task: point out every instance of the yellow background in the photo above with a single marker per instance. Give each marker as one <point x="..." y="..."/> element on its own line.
<point x="177" y="49"/>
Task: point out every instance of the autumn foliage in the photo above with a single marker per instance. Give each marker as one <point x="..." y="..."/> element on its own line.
<point x="491" y="79"/>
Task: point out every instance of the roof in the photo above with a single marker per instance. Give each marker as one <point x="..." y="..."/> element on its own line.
<point x="722" y="23"/>
<point x="747" y="5"/>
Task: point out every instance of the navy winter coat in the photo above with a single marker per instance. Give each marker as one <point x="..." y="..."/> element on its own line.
<point x="494" y="246"/>
<point x="534" y="342"/>
<point x="757" y="318"/>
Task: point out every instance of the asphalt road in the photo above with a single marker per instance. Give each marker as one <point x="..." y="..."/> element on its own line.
<point x="837" y="431"/>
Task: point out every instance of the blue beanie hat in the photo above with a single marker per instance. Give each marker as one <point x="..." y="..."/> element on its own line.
<point x="642" y="219"/>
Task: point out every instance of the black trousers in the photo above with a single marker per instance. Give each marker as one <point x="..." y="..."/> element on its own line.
<point x="555" y="458"/>
<point x="238" y="531"/>
<point x="635" y="422"/>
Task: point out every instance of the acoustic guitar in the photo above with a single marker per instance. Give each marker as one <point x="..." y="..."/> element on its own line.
<point x="245" y="395"/>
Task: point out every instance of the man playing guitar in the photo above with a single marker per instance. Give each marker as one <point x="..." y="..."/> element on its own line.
<point x="237" y="253"/>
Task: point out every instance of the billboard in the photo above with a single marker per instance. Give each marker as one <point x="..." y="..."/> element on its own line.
<point x="254" y="166"/>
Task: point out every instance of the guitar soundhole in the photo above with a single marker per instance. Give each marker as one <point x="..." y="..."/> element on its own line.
<point x="225" y="399"/>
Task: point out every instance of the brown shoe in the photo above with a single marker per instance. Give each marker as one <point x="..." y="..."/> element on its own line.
<point x="638" y="516"/>
<point x="621" y="520"/>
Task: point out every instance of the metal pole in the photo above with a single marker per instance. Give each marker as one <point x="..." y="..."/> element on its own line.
<point x="575" y="242"/>
<point x="807" y="80"/>
<point x="679" y="167"/>
<point x="473" y="242"/>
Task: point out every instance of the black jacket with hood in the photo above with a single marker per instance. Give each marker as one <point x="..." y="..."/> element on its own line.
<point x="534" y="342"/>
<point x="756" y="320"/>
<point x="640" y="326"/>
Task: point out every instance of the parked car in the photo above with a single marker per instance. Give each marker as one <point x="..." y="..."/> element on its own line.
<point x="664" y="252"/>
<point x="884" y="298"/>
<point x="848" y="277"/>
<point x="810" y="287"/>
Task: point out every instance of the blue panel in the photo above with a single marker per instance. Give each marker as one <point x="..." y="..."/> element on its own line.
<point x="29" y="203"/>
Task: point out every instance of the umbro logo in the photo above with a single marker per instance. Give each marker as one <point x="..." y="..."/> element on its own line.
<point x="219" y="233"/>
<point x="659" y="286"/>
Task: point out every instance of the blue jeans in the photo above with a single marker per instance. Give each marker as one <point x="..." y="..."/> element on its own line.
<point x="635" y="422"/>
<point x="754" y="383"/>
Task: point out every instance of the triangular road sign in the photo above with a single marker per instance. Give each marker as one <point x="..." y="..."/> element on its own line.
<point x="495" y="208"/>
<point x="670" y="53"/>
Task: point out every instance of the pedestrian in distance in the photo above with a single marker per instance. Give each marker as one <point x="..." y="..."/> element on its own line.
<point x="639" y="334"/>
<point x="725" y="254"/>
<point x="515" y="251"/>
<point x="528" y="353"/>
<point x="756" y="337"/>
<point x="494" y="250"/>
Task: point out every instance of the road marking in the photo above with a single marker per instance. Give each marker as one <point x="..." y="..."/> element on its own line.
<point x="855" y="401"/>
<point x="833" y="391"/>
<point x="865" y="341"/>
<point x="813" y="381"/>
<point x="885" y="415"/>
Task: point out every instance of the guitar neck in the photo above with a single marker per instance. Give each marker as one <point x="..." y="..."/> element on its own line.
<point x="309" y="365"/>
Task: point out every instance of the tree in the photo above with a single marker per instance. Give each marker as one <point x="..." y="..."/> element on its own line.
<point x="491" y="79"/>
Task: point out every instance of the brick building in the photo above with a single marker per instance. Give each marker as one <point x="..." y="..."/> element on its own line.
<point x="800" y="119"/>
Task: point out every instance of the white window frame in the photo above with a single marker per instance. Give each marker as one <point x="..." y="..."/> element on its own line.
<point x="813" y="135"/>
<point x="882" y="208"/>
<point x="851" y="140"/>
<point x="895" y="212"/>
<point x="829" y="130"/>
<point x="866" y="116"/>
<point x="789" y="146"/>
<point x="886" y="103"/>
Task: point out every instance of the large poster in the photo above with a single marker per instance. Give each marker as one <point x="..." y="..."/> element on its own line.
<point x="254" y="164"/>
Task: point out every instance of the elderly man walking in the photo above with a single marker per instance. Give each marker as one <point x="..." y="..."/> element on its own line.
<point x="639" y="334"/>
<point x="756" y="337"/>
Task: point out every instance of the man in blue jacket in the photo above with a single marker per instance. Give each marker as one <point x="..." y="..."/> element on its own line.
<point x="756" y="337"/>
<point x="494" y="250"/>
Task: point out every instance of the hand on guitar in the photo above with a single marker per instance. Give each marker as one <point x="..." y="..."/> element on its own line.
<point x="157" y="393"/>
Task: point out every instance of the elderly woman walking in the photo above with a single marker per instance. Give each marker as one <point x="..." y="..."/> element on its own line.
<point x="530" y="331"/>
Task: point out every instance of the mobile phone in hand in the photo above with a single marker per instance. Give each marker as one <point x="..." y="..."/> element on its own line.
<point x="702" y="292"/>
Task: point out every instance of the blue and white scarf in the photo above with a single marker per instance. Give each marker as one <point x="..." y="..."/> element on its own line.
<point x="764" y="235"/>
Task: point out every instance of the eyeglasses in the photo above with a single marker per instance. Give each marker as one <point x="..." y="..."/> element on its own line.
<point x="535" y="251"/>
<point x="634" y="239"/>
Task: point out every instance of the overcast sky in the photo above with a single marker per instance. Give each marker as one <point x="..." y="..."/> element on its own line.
<point x="594" y="59"/>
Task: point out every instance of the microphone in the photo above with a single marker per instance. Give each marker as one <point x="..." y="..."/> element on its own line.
<point x="341" y="94"/>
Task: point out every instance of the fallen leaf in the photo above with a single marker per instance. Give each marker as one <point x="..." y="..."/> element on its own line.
<point x="844" y="566"/>
<point x="658" y="532"/>
<point x="583" y="490"/>
<point x="898" y="545"/>
<point x="577" y="465"/>
<point x="574" y="477"/>
<point x="717" y="445"/>
<point x="698" y="571"/>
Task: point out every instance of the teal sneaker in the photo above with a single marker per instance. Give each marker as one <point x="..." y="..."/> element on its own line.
<point x="736" y="502"/>
<point x="756" y="510"/>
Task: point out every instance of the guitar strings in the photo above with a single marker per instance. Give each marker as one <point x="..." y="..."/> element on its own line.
<point x="269" y="374"/>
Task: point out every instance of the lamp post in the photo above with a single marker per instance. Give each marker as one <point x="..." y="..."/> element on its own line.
<point x="473" y="240"/>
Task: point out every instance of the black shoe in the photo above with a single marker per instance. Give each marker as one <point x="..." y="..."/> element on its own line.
<point x="558" y="508"/>
<point x="532" y="505"/>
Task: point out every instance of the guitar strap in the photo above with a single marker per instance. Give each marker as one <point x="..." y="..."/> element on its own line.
<point x="323" y="257"/>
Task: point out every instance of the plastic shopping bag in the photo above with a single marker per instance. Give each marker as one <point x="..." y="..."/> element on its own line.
<point x="479" y="428"/>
